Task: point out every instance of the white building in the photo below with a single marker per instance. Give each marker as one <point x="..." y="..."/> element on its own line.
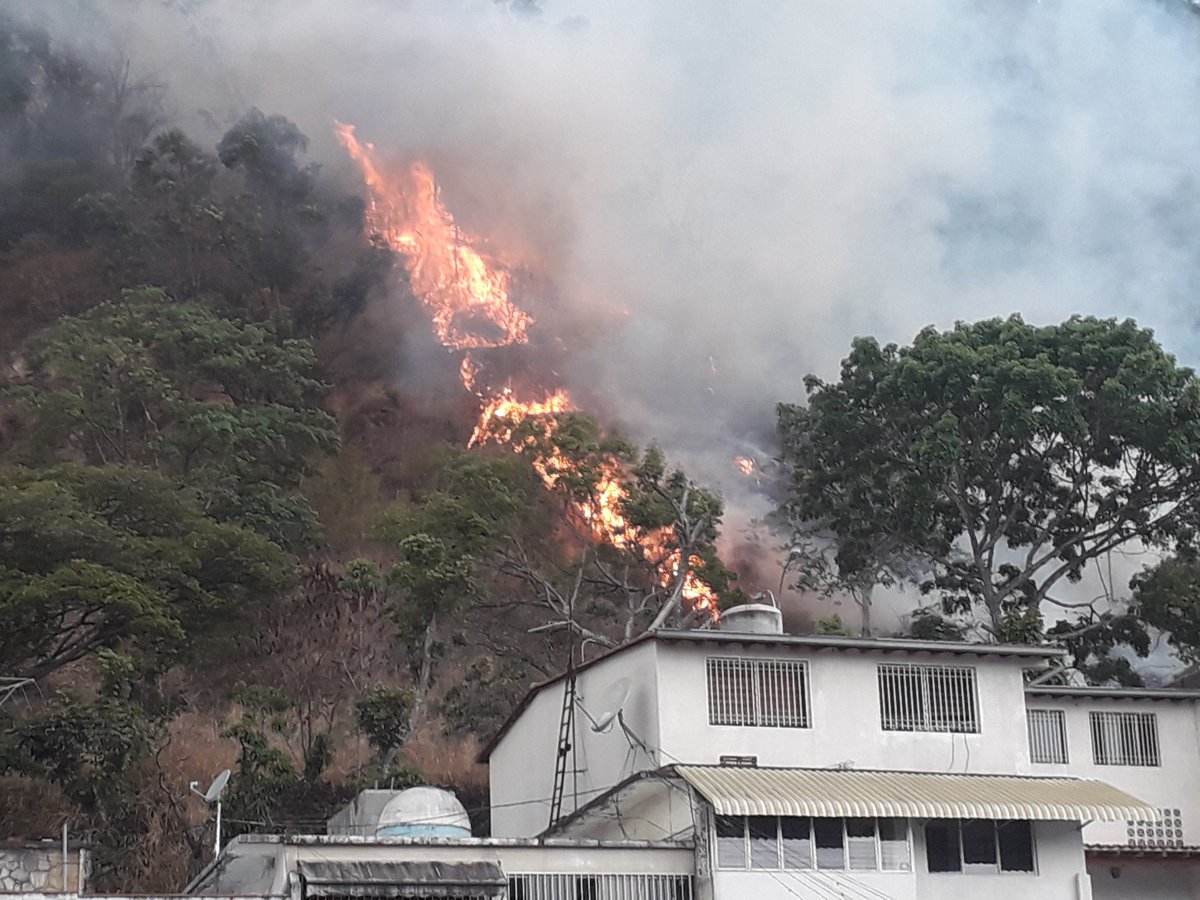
<point x="825" y="766"/>
<point x="724" y="765"/>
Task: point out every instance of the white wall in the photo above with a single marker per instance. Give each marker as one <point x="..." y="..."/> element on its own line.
<point x="844" y="691"/>
<point x="1174" y="785"/>
<point x="1145" y="880"/>
<point x="731" y="885"/>
<point x="1058" y="850"/>
<point x="521" y="769"/>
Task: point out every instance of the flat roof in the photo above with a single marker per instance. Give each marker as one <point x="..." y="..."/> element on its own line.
<point x="809" y="641"/>
<point x="878" y="645"/>
<point x="1115" y="693"/>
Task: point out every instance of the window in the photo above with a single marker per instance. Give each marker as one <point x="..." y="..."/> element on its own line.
<point x="796" y="842"/>
<point x="978" y="845"/>
<point x="760" y="692"/>
<point x="731" y="842"/>
<point x="1125" y="739"/>
<point x="927" y="698"/>
<point x="1047" y="735"/>
<point x="561" y="886"/>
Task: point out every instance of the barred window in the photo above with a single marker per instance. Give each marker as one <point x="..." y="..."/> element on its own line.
<point x="760" y="692"/>
<point x="927" y="698"/>
<point x="800" y="842"/>
<point x="1047" y="735"/>
<point x="560" y="886"/>
<point x="1125" y="739"/>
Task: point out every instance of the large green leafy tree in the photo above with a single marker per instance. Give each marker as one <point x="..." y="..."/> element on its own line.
<point x="994" y="462"/>
<point x="95" y="558"/>
<point x="229" y="407"/>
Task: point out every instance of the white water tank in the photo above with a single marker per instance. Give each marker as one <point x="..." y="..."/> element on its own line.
<point x="752" y="618"/>
<point x="423" y="812"/>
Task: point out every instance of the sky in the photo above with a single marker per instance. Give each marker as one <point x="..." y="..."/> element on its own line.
<point x="721" y="197"/>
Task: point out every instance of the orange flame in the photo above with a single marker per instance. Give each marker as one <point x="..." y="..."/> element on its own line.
<point x="744" y="464"/>
<point x="467" y="296"/>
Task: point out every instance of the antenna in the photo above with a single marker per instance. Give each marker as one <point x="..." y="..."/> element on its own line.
<point x="211" y="796"/>
<point x="612" y="703"/>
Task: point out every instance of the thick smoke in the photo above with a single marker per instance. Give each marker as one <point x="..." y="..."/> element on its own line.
<point x="732" y="193"/>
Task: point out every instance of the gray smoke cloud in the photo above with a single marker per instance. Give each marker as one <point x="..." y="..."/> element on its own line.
<point x="730" y="193"/>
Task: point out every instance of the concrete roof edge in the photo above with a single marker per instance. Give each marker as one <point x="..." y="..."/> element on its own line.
<point x="1122" y="693"/>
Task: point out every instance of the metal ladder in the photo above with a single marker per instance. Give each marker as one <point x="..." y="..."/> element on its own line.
<point x="566" y="746"/>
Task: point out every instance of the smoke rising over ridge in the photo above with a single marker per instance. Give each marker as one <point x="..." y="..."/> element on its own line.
<point x="731" y="194"/>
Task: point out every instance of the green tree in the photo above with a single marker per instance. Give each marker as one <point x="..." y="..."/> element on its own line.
<point x="1167" y="596"/>
<point x="230" y="407"/>
<point x="995" y="461"/>
<point x="383" y="716"/>
<point x="266" y="149"/>
<point x="119" y="558"/>
<point x="579" y="538"/>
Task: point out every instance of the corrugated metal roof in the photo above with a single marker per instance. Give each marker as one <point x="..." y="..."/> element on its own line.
<point x="402" y="879"/>
<point x="919" y="795"/>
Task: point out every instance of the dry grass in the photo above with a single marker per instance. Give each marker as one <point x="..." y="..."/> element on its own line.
<point x="31" y="809"/>
<point x="446" y="760"/>
<point x="195" y="750"/>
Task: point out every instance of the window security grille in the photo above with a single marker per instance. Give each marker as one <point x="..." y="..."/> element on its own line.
<point x="760" y="692"/>
<point x="1166" y="831"/>
<point x="599" y="887"/>
<point x="927" y="698"/>
<point x="1125" y="739"/>
<point x="1047" y="735"/>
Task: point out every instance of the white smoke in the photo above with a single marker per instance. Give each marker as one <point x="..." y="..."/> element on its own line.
<point x="733" y="192"/>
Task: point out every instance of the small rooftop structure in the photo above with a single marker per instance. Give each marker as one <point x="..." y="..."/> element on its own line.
<point x="423" y="812"/>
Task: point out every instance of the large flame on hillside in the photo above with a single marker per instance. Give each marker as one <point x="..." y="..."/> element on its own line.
<point x="467" y="294"/>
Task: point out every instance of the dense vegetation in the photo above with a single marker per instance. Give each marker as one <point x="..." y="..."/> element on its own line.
<point x="230" y="534"/>
<point x="233" y="533"/>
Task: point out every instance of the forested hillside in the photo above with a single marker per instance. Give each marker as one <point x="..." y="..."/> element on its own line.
<point x="302" y="476"/>
<point x="228" y="535"/>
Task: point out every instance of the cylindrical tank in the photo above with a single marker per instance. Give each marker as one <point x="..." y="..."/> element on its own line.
<point x="752" y="618"/>
<point x="423" y="812"/>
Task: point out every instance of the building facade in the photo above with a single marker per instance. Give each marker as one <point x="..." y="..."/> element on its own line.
<point x="824" y="766"/>
<point x="722" y="765"/>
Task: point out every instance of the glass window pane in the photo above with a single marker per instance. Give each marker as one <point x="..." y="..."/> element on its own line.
<point x="731" y="842"/>
<point x="764" y="844"/>
<point x="979" y="843"/>
<point x="941" y="845"/>
<point x="860" y="844"/>
<point x="1016" y="846"/>
<point x="797" y="842"/>
<point x="893" y="845"/>
<point x="828" y="835"/>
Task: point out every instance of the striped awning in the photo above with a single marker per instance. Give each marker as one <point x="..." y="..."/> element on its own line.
<point x="747" y="791"/>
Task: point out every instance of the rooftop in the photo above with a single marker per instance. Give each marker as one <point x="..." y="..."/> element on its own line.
<point x="1115" y="693"/>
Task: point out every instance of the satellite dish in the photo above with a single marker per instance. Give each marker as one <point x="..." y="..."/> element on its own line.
<point x="213" y="794"/>
<point x="613" y="702"/>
